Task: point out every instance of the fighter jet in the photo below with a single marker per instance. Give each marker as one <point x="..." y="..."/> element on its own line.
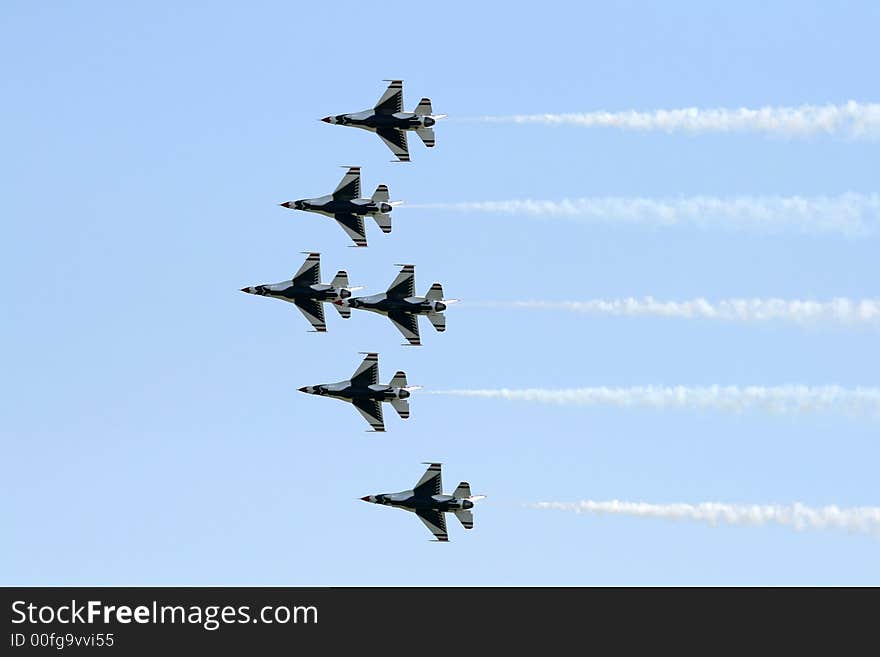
<point x="346" y="206"/>
<point x="388" y="120"/>
<point x="401" y="305"/>
<point x="427" y="501"/>
<point x="307" y="293"/>
<point x="367" y="394"/>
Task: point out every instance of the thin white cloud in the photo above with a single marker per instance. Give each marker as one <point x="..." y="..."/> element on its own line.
<point x="798" y="516"/>
<point x="850" y="213"/>
<point x="790" y="399"/>
<point x="851" y="119"/>
<point x="840" y="310"/>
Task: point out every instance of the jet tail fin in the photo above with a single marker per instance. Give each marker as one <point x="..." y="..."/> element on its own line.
<point x="344" y="311"/>
<point x="465" y="517"/>
<point x="427" y="136"/>
<point x="384" y="221"/>
<point x="424" y="107"/>
<point x="401" y="406"/>
<point x="381" y="194"/>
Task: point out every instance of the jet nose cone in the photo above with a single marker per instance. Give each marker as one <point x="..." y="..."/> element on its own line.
<point x="304" y="389"/>
<point x="366" y="498"/>
<point x="286" y="204"/>
<point x="327" y="119"/>
<point x="246" y="290"/>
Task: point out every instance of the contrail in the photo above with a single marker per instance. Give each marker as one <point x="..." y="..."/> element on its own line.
<point x="851" y="119"/>
<point x="864" y="519"/>
<point x="851" y="212"/>
<point x="840" y="310"/>
<point x="789" y="399"/>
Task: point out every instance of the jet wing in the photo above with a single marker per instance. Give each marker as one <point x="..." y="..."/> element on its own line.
<point x="353" y="225"/>
<point x="367" y="374"/>
<point x="313" y="311"/>
<point x="350" y="185"/>
<point x="372" y="412"/>
<point x="431" y="482"/>
<point x="310" y="272"/>
<point x="435" y="521"/>
<point x="392" y="100"/>
<point x="408" y="325"/>
<point x="395" y="140"/>
<point x="404" y="285"/>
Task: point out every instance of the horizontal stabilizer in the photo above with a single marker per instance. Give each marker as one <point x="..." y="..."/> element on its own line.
<point x="438" y="321"/>
<point x="340" y="281"/>
<point x="435" y="293"/>
<point x="465" y="517"/>
<point x="399" y="380"/>
<point x="344" y="311"/>
<point x="381" y="194"/>
<point x="424" y="107"/>
<point x="463" y="491"/>
<point x="401" y="406"/>
<point x="427" y="136"/>
<point x="384" y="221"/>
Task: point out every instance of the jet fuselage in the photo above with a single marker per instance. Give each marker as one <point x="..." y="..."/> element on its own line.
<point x="407" y="500"/>
<point x="371" y="120"/>
<point x="345" y="390"/>
<point x="291" y="293"/>
<point x="383" y="304"/>
<point x="329" y="206"/>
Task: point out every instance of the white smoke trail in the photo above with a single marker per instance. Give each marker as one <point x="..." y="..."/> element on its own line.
<point x="840" y="310"/>
<point x="847" y="213"/>
<point x="790" y="399"/>
<point x="853" y="120"/>
<point x="857" y="519"/>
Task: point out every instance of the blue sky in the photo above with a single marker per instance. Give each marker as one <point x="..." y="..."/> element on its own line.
<point x="152" y="432"/>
